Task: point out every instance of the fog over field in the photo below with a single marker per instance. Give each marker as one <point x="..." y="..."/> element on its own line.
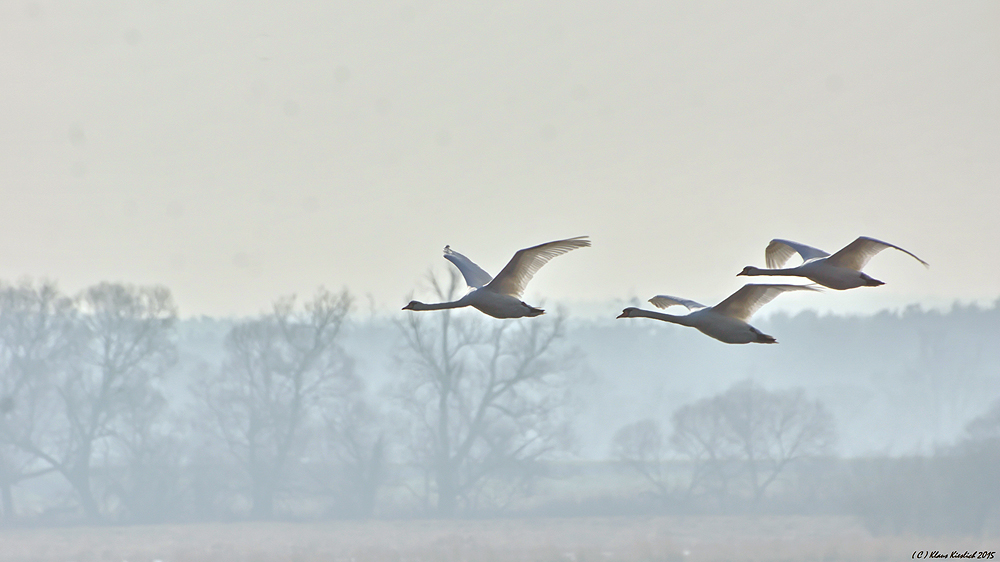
<point x="316" y="408"/>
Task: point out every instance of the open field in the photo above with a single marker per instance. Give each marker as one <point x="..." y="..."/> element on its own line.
<point x="710" y="538"/>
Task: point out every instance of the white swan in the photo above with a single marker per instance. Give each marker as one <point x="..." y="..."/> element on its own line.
<point x="726" y="321"/>
<point x="840" y="271"/>
<point x="500" y="296"/>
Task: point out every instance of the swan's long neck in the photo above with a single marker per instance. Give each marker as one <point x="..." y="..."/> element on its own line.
<point x="417" y="305"/>
<point x="672" y="318"/>
<point x="779" y="271"/>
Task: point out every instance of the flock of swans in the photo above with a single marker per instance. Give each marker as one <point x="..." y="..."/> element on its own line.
<point x="500" y="296"/>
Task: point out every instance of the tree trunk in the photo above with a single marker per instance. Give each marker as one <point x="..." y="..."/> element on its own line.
<point x="262" y="495"/>
<point x="371" y="477"/>
<point x="80" y="480"/>
<point x="447" y="493"/>
<point x="447" y="502"/>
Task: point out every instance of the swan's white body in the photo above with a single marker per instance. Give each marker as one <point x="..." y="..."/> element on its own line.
<point x="839" y="271"/>
<point x="500" y="296"/>
<point x="489" y="302"/>
<point x="726" y="321"/>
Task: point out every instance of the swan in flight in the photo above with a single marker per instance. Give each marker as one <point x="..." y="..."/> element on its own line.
<point x="840" y="271"/>
<point x="500" y="296"/>
<point x="726" y="321"/>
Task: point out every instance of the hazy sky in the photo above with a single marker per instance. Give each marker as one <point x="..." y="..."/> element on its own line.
<point x="240" y="151"/>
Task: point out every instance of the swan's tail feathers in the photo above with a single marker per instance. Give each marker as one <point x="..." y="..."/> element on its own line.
<point x="762" y="337"/>
<point x="532" y="312"/>
<point x="871" y="281"/>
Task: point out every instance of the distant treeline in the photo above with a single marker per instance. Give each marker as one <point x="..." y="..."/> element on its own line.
<point x="113" y="409"/>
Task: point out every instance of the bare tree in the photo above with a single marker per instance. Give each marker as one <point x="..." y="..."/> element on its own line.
<point x="774" y="429"/>
<point x="125" y="343"/>
<point x="281" y="371"/>
<point x="486" y="399"/>
<point x="129" y="343"/>
<point x="36" y="337"/>
<point x="751" y="432"/>
<point x="356" y="439"/>
<point x="640" y="445"/>
<point x="701" y="434"/>
<point x="145" y="463"/>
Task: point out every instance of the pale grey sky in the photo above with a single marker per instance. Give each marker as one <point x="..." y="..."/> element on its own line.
<point x="240" y="151"/>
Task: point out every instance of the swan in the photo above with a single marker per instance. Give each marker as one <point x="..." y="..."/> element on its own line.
<point x="840" y="271"/>
<point x="726" y="321"/>
<point x="500" y="296"/>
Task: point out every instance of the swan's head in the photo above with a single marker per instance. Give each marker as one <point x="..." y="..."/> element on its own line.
<point x="749" y="270"/>
<point x="413" y="305"/>
<point x="628" y="312"/>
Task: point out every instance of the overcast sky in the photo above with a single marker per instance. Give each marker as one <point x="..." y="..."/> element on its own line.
<point x="239" y="151"/>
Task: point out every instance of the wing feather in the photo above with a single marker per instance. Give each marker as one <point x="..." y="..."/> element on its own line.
<point x="514" y="277"/>
<point x="664" y="301"/>
<point x="744" y="302"/>
<point x="778" y="252"/>
<point x="856" y="254"/>
<point x="475" y="276"/>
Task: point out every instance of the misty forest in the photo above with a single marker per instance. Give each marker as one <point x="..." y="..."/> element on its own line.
<point x="113" y="409"/>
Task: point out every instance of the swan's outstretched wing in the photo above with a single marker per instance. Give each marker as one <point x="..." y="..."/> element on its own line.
<point x="856" y="254"/>
<point x="474" y="275"/>
<point x="778" y="252"/>
<point x="744" y="302"/>
<point x="525" y="263"/>
<point x="664" y="301"/>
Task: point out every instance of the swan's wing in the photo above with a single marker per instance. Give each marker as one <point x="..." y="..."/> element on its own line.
<point x="664" y="301"/>
<point x="744" y="302"/>
<point x="778" y="252"/>
<point x="525" y="263"/>
<point x="856" y="254"/>
<point x="474" y="275"/>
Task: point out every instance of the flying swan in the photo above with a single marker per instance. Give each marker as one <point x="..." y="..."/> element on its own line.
<point x="726" y="321"/>
<point x="840" y="271"/>
<point x="500" y="296"/>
